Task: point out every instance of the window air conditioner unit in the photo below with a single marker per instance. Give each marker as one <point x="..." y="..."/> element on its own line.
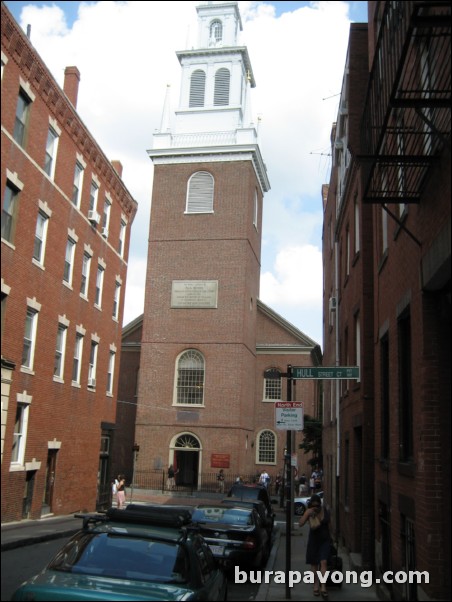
<point x="105" y="232"/>
<point x="332" y="303"/>
<point x="93" y="217"/>
<point x="91" y="382"/>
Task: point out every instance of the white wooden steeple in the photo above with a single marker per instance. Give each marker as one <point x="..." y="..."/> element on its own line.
<point x="214" y="105"/>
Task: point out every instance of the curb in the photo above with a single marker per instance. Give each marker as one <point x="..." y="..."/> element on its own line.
<point x="29" y="541"/>
<point x="264" y="587"/>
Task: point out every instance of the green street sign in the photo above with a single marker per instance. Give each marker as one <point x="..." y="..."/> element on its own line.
<point x="327" y="372"/>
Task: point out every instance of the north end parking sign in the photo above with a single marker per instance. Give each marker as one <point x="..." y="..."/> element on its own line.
<point x="289" y="415"/>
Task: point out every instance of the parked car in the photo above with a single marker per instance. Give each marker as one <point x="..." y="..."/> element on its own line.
<point x="140" y="553"/>
<point x="245" y="491"/>
<point x="258" y="505"/>
<point x="235" y="534"/>
<point x="301" y="503"/>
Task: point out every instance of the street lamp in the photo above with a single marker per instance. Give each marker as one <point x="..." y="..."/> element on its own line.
<point x="135" y="449"/>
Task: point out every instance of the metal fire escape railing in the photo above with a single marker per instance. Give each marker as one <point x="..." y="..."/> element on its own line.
<point x="406" y="118"/>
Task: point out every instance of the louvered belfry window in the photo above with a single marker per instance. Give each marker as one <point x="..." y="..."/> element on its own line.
<point x="200" y="193"/>
<point x="221" y="94"/>
<point x="197" y="88"/>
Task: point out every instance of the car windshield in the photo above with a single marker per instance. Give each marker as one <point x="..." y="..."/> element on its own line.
<point x="122" y="556"/>
<point x="228" y="516"/>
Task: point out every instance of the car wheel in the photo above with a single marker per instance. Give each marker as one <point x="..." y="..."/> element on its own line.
<point x="300" y="509"/>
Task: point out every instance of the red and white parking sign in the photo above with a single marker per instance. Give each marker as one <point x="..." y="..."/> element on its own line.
<point x="289" y="415"/>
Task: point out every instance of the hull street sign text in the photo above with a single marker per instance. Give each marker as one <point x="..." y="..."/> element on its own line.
<point x="289" y="415"/>
<point x="329" y="372"/>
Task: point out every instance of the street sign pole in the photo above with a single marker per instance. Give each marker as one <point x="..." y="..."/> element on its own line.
<point x="288" y="487"/>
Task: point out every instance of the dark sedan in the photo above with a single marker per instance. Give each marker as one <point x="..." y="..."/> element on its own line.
<point x="235" y="534"/>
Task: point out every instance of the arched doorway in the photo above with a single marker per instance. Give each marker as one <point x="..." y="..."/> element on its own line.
<point x="185" y="452"/>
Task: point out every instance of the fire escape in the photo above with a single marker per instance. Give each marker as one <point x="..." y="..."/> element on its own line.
<point x="406" y="119"/>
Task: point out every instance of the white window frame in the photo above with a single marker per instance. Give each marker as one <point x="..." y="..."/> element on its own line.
<point x="77" y="359"/>
<point x="111" y="372"/>
<point x="79" y="172"/>
<point x="116" y="300"/>
<point x="122" y="237"/>
<point x="84" y="280"/>
<point x="200" y="193"/>
<point x="272" y="386"/>
<point x="256" y="209"/>
<point x="51" y="152"/>
<point x="29" y="339"/>
<point x="222" y="87"/>
<point x="99" y="285"/>
<point x="106" y="216"/>
<point x="93" y="195"/>
<point x="22" y="117"/>
<point x="20" y="431"/>
<point x="69" y="261"/>
<point x="259" y="447"/>
<point x="39" y="248"/>
<point x="195" y="357"/>
<point x="92" y="367"/>
<point x="60" y="352"/>
<point x="9" y="212"/>
<point x="197" y="89"/>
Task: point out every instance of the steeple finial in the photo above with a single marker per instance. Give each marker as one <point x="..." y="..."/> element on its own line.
<point x="165" y="125"/>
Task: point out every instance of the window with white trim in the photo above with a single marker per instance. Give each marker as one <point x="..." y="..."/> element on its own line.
<point x="9" y="212"/>
<point x="92" y="367"/>
<point x="222" y="85"/>
<point x="42" y="223"/>
<point x="22" y="117"/>
<point x="93" y="194"/>
<point x="266" y="448"/>
<point x="60" y="350"/>
<point x="190" y="375"/>
<point x="106" y="217"/>
<point x="122" y="238"/>
<point x="116" y="300"/>
<point x="78" y="183"/>
<point x="197" y="88"/>
<point x="77" y="361"/>
<point x="86" y="267"/>
<point x="69" y="261"/>
<point x="99" y="285"/>
<point x="272" y="384"/>
<point x="51" y="152"/>
<point x="29" y="344"/>
<point x="200" y="193"/>
<point x="216" y="32"/>
<point x="20" y="433"/>
<point x="111" y="372"/>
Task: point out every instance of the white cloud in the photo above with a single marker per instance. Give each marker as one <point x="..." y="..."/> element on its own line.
<point x="125" y="52"/>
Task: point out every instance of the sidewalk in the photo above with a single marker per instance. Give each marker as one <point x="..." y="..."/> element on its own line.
<point x="304" y="591"/>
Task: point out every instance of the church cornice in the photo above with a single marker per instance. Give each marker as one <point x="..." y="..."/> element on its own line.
<point x="172" y="156"/>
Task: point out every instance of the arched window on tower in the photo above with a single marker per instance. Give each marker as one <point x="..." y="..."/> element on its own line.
<point x="266" y="448"/>
<point x="197" y="88"/>
<point x="200" y="193"/>
<point x="190" y="372"/>
<point x="222" y="81"/>
<point x="216" y="33"/>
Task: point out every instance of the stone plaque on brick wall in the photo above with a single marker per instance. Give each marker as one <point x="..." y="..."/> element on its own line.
<point x="194" y="294"/>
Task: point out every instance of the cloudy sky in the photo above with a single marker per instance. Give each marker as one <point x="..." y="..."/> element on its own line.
<point x="125" y="52"/>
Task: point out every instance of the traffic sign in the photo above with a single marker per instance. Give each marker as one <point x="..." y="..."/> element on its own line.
<point x="328" y="372"/>
<point x="289" y="415"/>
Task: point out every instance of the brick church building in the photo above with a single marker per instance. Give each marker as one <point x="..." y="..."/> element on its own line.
<point x="205" y="340"/>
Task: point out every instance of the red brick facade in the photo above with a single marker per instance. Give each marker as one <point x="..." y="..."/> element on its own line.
<point x="56" y="423"/>
<point x="392" y="269"/>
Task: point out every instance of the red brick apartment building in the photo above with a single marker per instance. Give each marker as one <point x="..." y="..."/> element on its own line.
<point x="66" y="219"/>
<point x="386" y="252"/>
<point x="207" y="341"/>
